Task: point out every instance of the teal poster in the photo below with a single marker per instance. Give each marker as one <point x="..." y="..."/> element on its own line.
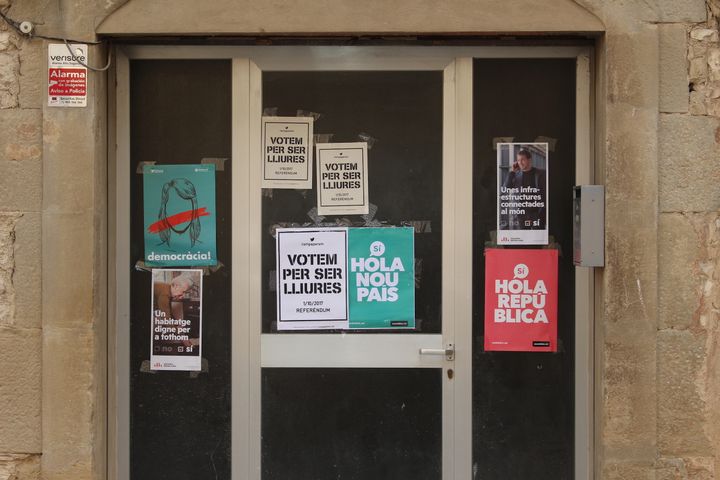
<point x="179" y="205"/>
<point x="381" y="265"/>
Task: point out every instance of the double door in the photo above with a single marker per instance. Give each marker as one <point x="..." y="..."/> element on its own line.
<point x="360" y="403"/>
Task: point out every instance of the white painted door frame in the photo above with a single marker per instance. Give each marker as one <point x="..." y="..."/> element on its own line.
<point x="251" y="350"/>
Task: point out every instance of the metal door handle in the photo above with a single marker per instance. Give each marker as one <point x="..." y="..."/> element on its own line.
<point x="448" y="351"/>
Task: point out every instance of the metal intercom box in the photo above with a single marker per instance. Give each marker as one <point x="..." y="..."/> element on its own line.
<point x="589" y="226"/>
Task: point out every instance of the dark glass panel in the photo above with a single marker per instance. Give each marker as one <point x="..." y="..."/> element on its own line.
<point x="402" y="113"/>
<point x="523" y="403"/>
<point x="353" y="424"/>
<point x="180" y="422"/>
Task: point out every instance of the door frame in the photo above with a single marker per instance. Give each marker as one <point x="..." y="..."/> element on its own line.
<point x="247" y="340"/>
<point x="389" y="350"/>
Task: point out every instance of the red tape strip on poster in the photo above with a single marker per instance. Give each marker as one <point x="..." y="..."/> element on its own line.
<point x="521" y="300"/>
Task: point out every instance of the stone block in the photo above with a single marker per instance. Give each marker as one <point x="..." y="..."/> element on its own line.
<point x="629" y="57"/>
<point x="713" y="62"/>
<point x="671" y="469"/>
<point x="674" y="93"/>
<point x="67" y="276"/>
<point x="628" y="471"/>
<point x="69" y="157"/>
<point x="701" y="468"/>
<point x="693" y="11"/>
<point x="19" y="466"/>
<point x="631" y="161"/>
<point x="698" y="70"/>
<point x="26" y="280"/>
<point x="703" y="34"/>
<point x="630" y="283"/>
<point x="20" y="160"/>
<point x="7" y="267"/>
<point x="20" y="188"/>
<point x="629" y="410"/>
<point x="69" y="393"/>
<point x="682" y="414"/>
<point x="32" y="74"/>
<point x="34" y="10"/>
<point x="680" y="282"/>
<point x="689" y="163"/>
<point x="20" y="377"/>
<point x="697" y="103"/>
<point x="9" y="79"/>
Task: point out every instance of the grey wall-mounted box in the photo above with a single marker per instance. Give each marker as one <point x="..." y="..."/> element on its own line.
<point x="589" y="226"/>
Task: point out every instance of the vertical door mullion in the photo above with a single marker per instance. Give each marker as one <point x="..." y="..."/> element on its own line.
<point x="119" y="384"/>
<point x="448" y="264"/>
<point x="584" y="283"/>
<point x="463" y="254"/>
<point x="255" y="282"/>
<point x="240" y="273"/>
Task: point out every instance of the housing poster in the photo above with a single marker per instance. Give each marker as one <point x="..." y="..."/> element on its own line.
<point x="179" y="206"/>
<point x="521" y="288"/>
<point x="312" y="283"/>
<point x="342" y="177"/>
<point x="176" y="334"/>
<point x="522" y="199"/>
<point x="287" y="152"/>
<point x="382" y="277"/>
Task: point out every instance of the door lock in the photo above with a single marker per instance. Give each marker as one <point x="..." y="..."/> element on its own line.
<point x="448" y="351"/>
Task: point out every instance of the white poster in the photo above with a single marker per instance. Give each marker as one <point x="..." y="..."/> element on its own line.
<point x="287" y="152"/>
<point x="312" y="291"/>
<point x="342" y="178"/>
<point x="522" y="195"/>
<point x="67" y="77"/>
<point x="176" y="333"/>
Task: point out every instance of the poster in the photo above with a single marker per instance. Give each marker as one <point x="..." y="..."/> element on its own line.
<point x="342" y="178"/>
<point x="312" y="284"/>
<point x="522" y="200"/>
<point x="67" y="78"/>
<point x="179" y="205"/>
<point x="382" y="277"/>
<point x="521" y="288"/>
<point x="176" y="333"/>
<point x="287" y="152"/>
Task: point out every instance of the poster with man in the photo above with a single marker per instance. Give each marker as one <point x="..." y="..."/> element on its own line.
<point x="179" y="206"/>
<point x="522" y="193"/>
<point x="176" y="320"/>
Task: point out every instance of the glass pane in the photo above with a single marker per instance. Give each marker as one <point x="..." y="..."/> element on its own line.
<point x="400" y="115"/>
<point x="523" y="403"/>
<point x="354" y="424"/>
<point x="180" y="422"/>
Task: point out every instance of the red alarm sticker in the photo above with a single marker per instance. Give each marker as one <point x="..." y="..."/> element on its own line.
<point x="521" y="300"/>
<point x="67" y="75"/>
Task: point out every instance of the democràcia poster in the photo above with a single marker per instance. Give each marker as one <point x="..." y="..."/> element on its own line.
<point x="180" y="216"/>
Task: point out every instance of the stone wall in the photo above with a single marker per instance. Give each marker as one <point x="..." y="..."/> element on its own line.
<point x="688" y="338"/>
<point x="53" y="198"/>
<point x="657" y="345"/>
<point x="20" y="255"/>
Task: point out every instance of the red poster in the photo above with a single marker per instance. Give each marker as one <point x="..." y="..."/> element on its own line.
<point x="521" y="300"/>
